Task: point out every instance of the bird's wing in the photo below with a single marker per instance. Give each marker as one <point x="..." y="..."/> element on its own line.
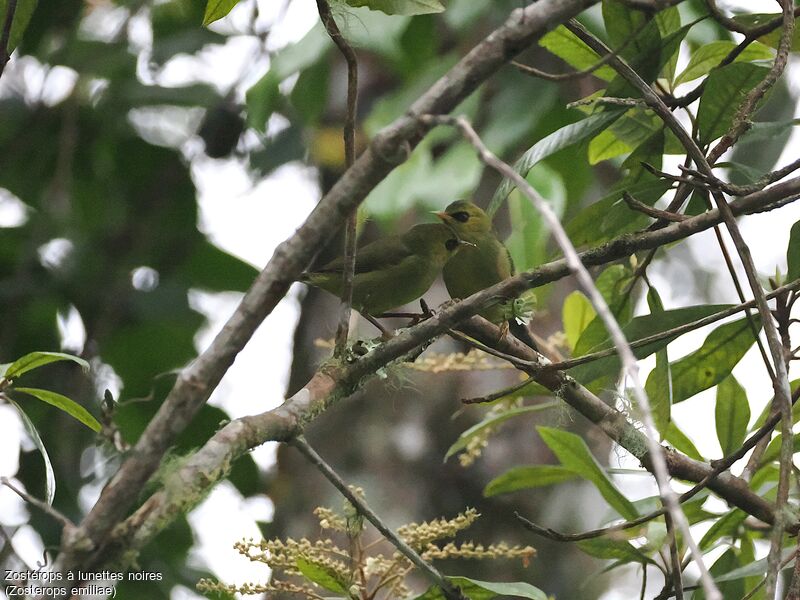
<point x="380" y="254"/>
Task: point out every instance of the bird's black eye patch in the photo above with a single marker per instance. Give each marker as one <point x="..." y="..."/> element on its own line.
<point x="461" y="216"/>
<point x="451" y="244"/>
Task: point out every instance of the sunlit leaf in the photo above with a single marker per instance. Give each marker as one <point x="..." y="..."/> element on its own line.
<point x="216" y="9"/>
<point x="34" y="360"/>
<point x="61" y="402"/>
<point x="521" y="478"/>
<point x="574" y="454"/>
<point x="400" y="7"/>
<point x="708" y="56"/>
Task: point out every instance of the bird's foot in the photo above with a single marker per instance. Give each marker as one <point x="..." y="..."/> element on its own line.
<point x="385" y="333"/>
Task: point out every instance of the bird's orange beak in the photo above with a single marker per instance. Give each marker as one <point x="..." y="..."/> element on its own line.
<point x="442" y="215"/>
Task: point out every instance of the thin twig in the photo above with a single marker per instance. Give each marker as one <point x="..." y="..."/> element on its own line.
<point x="741" y="120"/>
<point x="349" y="134"/>
<point x="675" y="561"/>
<point x="5" y="55"/>
<point x="651" y="211"/>
<point x="363" y="508"/>
<point x="41" y="505"/>
<point x="499" y="394"/>
<point x="656" y="452"/>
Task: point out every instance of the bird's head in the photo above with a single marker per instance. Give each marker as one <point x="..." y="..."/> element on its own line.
<point x="465" y="218"/>
<point x="434" y="240"/>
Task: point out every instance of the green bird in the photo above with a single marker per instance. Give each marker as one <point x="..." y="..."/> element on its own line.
<point x="391" y="271"/>
<point x="485" y="262"/>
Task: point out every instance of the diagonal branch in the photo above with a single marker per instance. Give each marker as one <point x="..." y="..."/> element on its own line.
<point x="450" y="592"/>
<point x="389" y="148"/>
<point x="629" y="363"/>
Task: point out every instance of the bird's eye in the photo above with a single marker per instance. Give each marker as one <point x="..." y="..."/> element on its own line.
<point x="461" y="216"/>
<point x="451" y="244"/>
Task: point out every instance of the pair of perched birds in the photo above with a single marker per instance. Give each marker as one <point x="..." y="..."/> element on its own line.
<point x="398" y="269"/>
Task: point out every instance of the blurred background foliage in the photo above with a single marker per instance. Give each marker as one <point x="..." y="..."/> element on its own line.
<point x="98" y="141"/>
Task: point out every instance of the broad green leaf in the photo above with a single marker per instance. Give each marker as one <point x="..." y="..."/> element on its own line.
<point x="772" y="39"/>
<point x="264" y="97"/>
<point x="216" y="9"/>
<point x="522" y="478"/>
<point x="758" y="567"/>
<point x="50" y="475"/>
<point x="659" y="382"/>
<point x="34" y="360"/>
<point x="322" y="575"/>
<point x="678" y="440"/>
<point x="767" y="130"/>
<point x="639" y="328"/>
<point x="708" y="56"/>
<point x="725" y="526"/>
<point x="669" y="22"/>
<point x="725" y="89"/>
<point x="60" y="401"/>
<point x="613" y="285"/>
<point x="22" y="17"/>
<point x="572" y="50"/>
<point x="494" y="421"/>
<point x="610" y="216"/>
<point x="724" y="564"/>
<point x="624" y="135"/>
<point x="558" y="140"/>
<point x="731" y="414"/>
<point x="400" y="7"/>
<point x="713" y="361"/>
<point x="529" y="235"/>
<point x="773" y="450"/>
<point x="576" y="315"/>
<point x="612" y="549"/>
<point x="793" y="254"/>
<point x="486" y="590"/>
<point x="574" y="454"/>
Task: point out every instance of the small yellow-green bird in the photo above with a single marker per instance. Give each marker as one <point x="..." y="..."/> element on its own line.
<point x="392" y="271"/>
<point x="483" y="263"/>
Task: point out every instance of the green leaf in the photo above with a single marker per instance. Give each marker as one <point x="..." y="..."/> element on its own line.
<point x="572" y="50"/>
<point x="639" y="328"/>
<point x="576" y="314"/>
<point x="216" y="9"/>
<point x="613" y="284"/>
<point x="624" y="135"/>
<point x="724" y="564"/>
<point x="529" y="235"/>
<point x="708" y="56"/>
<point x="678" y="440"/>
<point x="706" y="367"/>
<point x="659" y="382"/>
<point x="793" y="254"/>
<point x="725" y="89"/>
<point x="323" y="576"/>
<point x="262" y="100"/>
<point x="574" y="454"/>
<point x="22" y="17"/>
<point x="611" y="549"/>
<point x="732" y="414"/>
<point x="400" y="7"/>
<point x="558" y="140"/>
<point x="725" y="526"/>
<point x="50" y="475"/>
<point x="60" y="401"/>
<point x="773" y="450"/>
<point x="758" y="567"/>
<point x="494" y="421"/>
<point x="772" y="39"/>
<point x="486" y="590"/>
<point x="34" y="360"/>
<point x="522" y="478"/>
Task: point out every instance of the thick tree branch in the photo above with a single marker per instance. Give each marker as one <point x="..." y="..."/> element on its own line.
<point x="390" y="147"/>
